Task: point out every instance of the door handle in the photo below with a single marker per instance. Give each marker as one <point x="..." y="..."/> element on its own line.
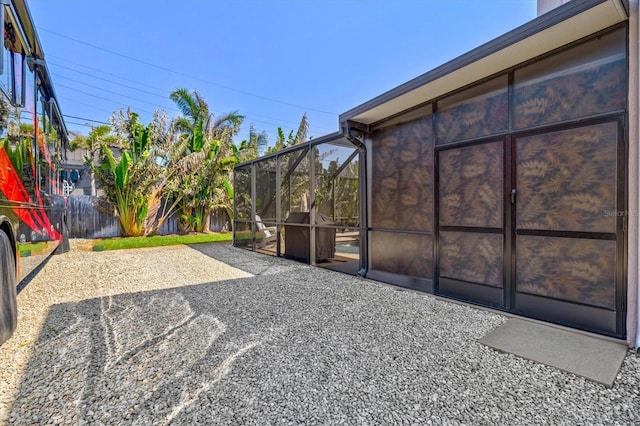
<point x="513" y="196"/>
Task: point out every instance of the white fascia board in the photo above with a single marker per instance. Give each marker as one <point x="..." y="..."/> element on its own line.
<point x="590" y="21"/>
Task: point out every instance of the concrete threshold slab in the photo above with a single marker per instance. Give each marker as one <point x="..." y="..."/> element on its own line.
<point x="596" y="359"/>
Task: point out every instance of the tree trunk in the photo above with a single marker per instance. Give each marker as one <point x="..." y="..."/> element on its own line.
<point x="207" y="222"/>
<point x="93" y="183"/>
<point x="93" y="175"/>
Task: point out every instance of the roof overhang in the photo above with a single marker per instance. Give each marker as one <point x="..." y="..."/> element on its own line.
<point x="568" y="23"/>
<point x="26" y="21"/>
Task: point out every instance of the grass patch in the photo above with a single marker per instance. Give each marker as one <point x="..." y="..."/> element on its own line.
<point x="159" y="240"/>
<point x="27" y="249"/>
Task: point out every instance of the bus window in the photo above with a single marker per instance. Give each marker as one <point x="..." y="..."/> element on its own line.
<point x="13" y="61"/>
<point x="7" y="60"/>
<point x="18" y="78"/>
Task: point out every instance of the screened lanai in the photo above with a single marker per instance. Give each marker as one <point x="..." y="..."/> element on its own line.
<point x="503" y="178"/>
<point x="302" y="203"/>
<point x="499" y="178"/>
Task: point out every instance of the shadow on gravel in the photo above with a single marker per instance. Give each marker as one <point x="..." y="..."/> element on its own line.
<point x="159" y="356"/>
<point x="148" y="355"/>
<point x="294" y="344"/>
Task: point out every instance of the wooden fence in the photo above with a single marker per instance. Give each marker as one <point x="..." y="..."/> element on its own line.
<point x="91" y="217"/>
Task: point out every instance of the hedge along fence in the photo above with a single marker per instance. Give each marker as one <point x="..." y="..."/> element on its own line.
<point x="92" y="217"/>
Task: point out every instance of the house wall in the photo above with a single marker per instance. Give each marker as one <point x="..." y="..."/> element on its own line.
<point x="439" y="186"/>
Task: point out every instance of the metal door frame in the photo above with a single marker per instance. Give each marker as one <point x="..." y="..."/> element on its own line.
<point x="544" y="308"/>
<point x="586" y="317"/>
<point x="478" y="293"/>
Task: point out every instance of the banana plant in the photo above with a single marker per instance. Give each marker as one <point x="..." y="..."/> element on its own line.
<point x="128" y="180"/>
<point x="130" y="203"/>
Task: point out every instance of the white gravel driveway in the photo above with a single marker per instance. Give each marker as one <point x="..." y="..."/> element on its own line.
<point x="211" y="334"/>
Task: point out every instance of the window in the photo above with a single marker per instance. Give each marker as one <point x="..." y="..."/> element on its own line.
<point x="45" y="113"/>
<point x="12" y="79"/>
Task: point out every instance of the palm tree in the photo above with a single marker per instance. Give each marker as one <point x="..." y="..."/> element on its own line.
<point x="254" y="146"/>
<point x="197" y="122"/>
<point x="210" y="145"/>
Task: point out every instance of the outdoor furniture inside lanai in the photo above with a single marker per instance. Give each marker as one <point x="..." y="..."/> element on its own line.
<point x="266" y="234"/>
<point x="297" y="242"/>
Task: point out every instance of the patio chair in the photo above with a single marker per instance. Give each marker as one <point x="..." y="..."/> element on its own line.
<point x="268" y="234"/>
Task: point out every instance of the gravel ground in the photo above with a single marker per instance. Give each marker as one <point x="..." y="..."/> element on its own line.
<point x="211" y="334"/>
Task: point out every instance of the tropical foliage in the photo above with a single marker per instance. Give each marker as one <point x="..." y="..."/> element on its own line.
<point x="127" y="180"/>
<point x="291" y="139"/>
<point x="138" y="167"/>
<point x="252" y="148"/>
<point x="150" y="172"/>
<point x="242" y="192"/>
<point x="211" y="154"/>
<point x="337" y="192"/>
<point x="295" y="184"/>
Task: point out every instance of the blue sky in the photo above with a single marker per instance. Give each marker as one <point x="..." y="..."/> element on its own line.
<point x="270" y="60"/>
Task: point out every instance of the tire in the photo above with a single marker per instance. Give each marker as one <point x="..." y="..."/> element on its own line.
<point x="8" y="303"/>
